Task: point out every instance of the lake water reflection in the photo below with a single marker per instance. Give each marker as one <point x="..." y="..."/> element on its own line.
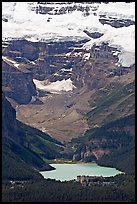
<point x="71" y="171"/>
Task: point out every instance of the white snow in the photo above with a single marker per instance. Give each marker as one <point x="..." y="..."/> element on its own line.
<point x="126" y="58"/>
<point x="68" y="54"/>
<point x="32" y="62"/>
<point x="118" y="9"/>
<point x="14" y="63"/>
<point x="33" y="99"/>
<point x="55" y="87"/>
<point x="86" y="56"/>
<point x="55" y="74"/>
<point x="115" y="53"/>
<point x="25" y="23"/>
<point x="122" y="38"/>
<point x="66" y="70"/>
<point x="77" y="54"/>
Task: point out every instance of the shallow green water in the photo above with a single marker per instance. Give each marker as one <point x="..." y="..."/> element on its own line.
<point x="71" y="171"/>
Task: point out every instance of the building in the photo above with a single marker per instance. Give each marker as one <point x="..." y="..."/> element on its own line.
<point x="92" y="180"/>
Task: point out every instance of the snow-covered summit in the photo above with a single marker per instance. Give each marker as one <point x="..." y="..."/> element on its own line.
<point x="25" y="19"/>
<point x="67" y="21"/>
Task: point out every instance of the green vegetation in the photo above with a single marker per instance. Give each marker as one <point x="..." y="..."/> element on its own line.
<point x="117" y="137"/>
<point x="111" y="103"/>
<point x="33" y="131"/>
<point x="62" y="161"/>
<point x="24" y="147"/>
<point x="56" y="191"/>
<point x="122" y="160"/>
<point x="13" y="166"/>
<point x="26" y="155"/>
<point x="15" y="169"/>
<point x="40" y="143"/>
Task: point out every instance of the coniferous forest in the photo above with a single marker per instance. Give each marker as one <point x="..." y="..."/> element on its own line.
<point x="54" y="191"/>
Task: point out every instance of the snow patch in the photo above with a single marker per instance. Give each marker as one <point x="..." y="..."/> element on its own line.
<point x="120" y="10"/>
<point x="126" y="59"/>
<point x="86" y="56"/>
<point x="33" y="99"/>
<point x="55" y="87"/>
<point x="66" y="70"/>
<point x="14" y="63"/>
<point x="68" y="54"/>
<point x="32" y="62"/>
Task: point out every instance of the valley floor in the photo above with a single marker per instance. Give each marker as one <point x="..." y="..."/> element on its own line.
<point x="60" y="115"/>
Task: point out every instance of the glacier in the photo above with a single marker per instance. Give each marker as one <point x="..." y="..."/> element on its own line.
<point x="22" y="22"/>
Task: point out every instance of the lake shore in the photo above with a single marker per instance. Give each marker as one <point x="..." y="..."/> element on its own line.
<point x="61" y="161"/>
<point x="67" y="171"/>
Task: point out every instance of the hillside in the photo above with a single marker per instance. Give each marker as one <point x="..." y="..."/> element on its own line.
<point x="112" y="102"/>
<point x="112" y="144"/>
<point x="23" y="147"/>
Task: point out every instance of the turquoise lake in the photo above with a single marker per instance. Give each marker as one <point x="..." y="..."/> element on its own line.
<point x="71" y="171"/>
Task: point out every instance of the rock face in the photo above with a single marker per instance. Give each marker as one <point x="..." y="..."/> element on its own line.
<point x="117" y="23"/>
<point x="9" y="125"/>
<point x="65" y="7"/>
<point x="93" y="34"/>
<point x="55" y="62"/>
<point x="20" y="86"/>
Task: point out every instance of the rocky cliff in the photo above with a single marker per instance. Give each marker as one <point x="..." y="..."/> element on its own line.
<point x="9" y="125"/>
<point x="18" y="81"/>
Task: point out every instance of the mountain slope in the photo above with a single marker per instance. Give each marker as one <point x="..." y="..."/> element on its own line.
<point x="13" y="165"/>
<point x="112" y="102"/>
<point x="17" y="153"/>
<point x="112" y="144"/>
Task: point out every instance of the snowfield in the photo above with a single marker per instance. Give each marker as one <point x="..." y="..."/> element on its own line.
<point x="55" y="87"/>
<point x="23" y="22"/>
